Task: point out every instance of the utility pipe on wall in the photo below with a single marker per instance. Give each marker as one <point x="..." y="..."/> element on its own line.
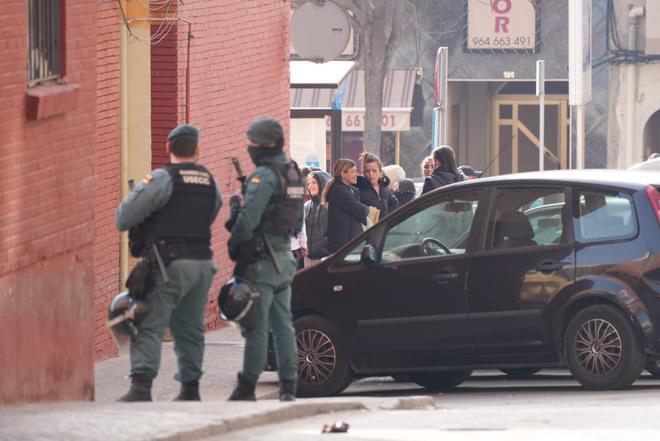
<point x="123" y="154"/>
<point x="631" y="85"/>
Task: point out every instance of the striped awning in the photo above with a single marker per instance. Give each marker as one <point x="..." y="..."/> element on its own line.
<point x="397" y="99"/>
<point x="397" y="91"/>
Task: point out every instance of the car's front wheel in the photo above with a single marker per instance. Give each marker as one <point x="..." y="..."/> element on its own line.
<point x="602" y="351"/>
<point x="440" y="381"/>
<point x="323" y="359"/>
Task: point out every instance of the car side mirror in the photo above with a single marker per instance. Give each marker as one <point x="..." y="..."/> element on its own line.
<point x="369" y="255"/>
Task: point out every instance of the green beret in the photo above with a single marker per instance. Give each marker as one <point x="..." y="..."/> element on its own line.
<point x="265" y="130"/>
<point x="184" y="131"/>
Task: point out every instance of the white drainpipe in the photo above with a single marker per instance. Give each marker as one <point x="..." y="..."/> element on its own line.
<point x="631" y="85"/>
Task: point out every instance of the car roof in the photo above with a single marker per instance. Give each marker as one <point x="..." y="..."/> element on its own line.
<point x="629" y="179"/>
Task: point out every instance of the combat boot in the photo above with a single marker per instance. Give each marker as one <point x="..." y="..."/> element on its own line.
<point x="244" y="390"/>
<point x="140" y="389"/>
<point x="189" y="392"/>
<point x="287" y="390"/>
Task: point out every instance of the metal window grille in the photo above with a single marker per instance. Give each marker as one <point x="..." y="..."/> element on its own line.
<point x="45" y="52"/>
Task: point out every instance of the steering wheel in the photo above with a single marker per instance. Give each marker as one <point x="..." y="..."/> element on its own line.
<point x="430" y="247"/>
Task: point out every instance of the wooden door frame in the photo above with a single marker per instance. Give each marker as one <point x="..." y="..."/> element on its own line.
<point x="516" y="100"/>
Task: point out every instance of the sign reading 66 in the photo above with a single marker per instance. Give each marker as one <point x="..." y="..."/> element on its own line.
<point x="353" y="121"/>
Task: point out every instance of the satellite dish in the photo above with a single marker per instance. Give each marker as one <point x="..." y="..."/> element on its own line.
<point x="319" y="30"/>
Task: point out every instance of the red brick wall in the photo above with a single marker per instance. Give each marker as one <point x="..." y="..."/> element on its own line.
<point x="47" y="194"/>
<point x="164" y="91"/>
<point x="239" y="70"/>
<point x="106" y="243"/>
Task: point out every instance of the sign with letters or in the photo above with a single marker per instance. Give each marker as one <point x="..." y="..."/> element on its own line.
<point x="502" y="26"/>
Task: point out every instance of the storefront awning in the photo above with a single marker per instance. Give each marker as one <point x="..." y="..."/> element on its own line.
<point x="306" y="74"/>
<point x="397" y="100"/>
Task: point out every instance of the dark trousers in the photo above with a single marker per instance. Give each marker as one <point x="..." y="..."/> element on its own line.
<point x="300" y="262"/>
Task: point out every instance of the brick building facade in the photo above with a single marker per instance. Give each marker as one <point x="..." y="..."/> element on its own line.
<point x="47" y="193"/>
<point x="59" y="250"/>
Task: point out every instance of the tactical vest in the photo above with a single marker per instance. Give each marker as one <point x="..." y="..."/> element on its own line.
<point x="283" y="214"/>
<point x="182" y="228"/>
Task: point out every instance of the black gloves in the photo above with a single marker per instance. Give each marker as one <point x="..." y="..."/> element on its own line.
<point x="233" y="251"/>
<point x="245" y="252"/>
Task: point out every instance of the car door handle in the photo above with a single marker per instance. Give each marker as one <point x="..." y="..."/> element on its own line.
<point x="549" y="266"/>
<point x="444" y="277"/>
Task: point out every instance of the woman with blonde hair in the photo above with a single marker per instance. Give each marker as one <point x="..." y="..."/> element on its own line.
<point x="374" y="185"/>
<point x="346" y="214"/>
<point x="427" y="166"/>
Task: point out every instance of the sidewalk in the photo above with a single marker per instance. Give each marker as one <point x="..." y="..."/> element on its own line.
<point x="223" y="358"/>
<point x="165" y="420"/>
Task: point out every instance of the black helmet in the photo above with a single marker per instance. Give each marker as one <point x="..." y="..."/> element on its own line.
<point x="236" y="301"/>
<point x="265" y="130"/>
<point x="124" y="314"/>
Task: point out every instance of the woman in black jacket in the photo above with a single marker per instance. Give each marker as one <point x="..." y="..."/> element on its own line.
<point x="374" y="185"/>
<point x="346" y="214"/>
<point x="445" y="171"/>
<point x="316" y="218"/>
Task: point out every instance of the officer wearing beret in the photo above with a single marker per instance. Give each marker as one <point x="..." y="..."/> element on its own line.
<point x="260" y="244"/>
<point x="174" y="207"/>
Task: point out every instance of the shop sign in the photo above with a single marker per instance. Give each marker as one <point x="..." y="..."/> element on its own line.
<point x="392" y="121"/>
<point x="502" y="25"/>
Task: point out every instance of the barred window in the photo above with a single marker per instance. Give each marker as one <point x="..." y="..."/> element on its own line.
<point x="45" y="29"/>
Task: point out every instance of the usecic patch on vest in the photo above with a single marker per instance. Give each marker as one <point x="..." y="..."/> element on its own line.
<point x="147" y="178"/>
<point x="295" y="192"/>
<point x="256" y="180"/>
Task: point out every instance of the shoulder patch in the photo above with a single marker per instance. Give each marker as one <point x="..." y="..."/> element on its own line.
<point x="147" y="178"/>
<point x="255" y="180"/>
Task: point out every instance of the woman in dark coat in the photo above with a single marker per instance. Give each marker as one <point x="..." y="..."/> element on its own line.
<point x="445" y="171"/>
<point x="406" y="191"/>
<point x="316" y="218"/>
<point x="346" y="214"/>
<point x="374" y="185"/>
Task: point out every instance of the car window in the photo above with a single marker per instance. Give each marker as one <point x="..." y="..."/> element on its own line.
<point x="441" y="229"/>
<point x="525" y="217"/>
<point x="603" y="215"/>
<point x="353" y="256"/>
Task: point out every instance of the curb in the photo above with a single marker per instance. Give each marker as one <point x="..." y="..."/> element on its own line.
<point x="422" y="402"/>
<point x="294" y="411"/>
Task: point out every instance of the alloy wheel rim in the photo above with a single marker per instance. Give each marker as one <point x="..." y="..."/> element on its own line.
<point x="598" y="347"/>
<point x="317" y="356"/>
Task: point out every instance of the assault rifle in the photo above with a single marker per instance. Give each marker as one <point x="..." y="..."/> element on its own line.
<point x="235" y="200"/>
<point x="235" y="208"/>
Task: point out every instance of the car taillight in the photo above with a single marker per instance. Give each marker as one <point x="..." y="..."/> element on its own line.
<point x="654" y="199"/>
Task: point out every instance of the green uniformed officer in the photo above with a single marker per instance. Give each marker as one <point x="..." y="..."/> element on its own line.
<point x="174" y="207"/>
<point x="260" y="244"/>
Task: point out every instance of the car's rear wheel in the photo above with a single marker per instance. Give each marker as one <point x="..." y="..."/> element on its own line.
<point x="520" y="373"/>
<point x="601" y="349"/>
<point x="323" y="367"/>
<point x="653" y="367"/>
<point x="440" y="381"/>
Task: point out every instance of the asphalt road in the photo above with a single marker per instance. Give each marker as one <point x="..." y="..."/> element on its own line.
<point x="550" y="405"/>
